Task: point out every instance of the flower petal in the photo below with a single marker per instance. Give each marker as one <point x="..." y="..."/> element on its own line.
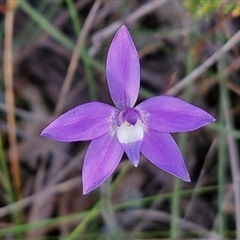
<point x="130" y="137"/>
<point x="123" y="70"/>
<point x="162" y="151"/>
<point x="169" y="114"/>
<point x="133" y="151"/>
<point x="85" y="122"/>
<point x="103" y="155"/>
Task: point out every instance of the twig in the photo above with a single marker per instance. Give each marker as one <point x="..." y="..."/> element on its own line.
<point x="57" y="189"/>
<point x="74" y="59"/>
<point x="68" y="168"/>
<point x="9" y="95"/>
<point x="99" y="37"/>
<point x="20" y="113"/>
<point x="200" y="182"/>
<point x="208" y="63"/>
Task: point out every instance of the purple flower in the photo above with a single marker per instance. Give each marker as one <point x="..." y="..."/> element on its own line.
<point x="125" y="128"/>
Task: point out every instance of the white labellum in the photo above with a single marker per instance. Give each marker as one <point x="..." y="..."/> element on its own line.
<point x="127" y="133"/>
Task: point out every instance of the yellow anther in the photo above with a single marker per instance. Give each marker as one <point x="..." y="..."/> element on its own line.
<point x="127" y="123"/>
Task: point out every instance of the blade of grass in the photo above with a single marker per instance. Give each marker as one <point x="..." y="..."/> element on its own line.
<point x="43" y="23"/>
<point x="90" y="80"/>
<point x="176" y="202"/>
<point x="80" y="228"/>
<point x="222" y="129"/>
<point x="131" y="204"/>
<point x="6" y="181"/>
<point x="107" y="211"/>
<point x="208" y="63"/>
<point x="222" y="150"/>
<point x="30" y="32"/>
<point x="175" y="210"/>
<point x="234" y="157"/>
<point x="101" y="35"/>
<point x="57" y="189"/>
<point x="52" y="31"/>
<point x="5" y="176"/>
<point x="74" y="16"/>
<point x="48" y="223"/>
<point x="23" y="228"/>
<point x="74" y="59"/>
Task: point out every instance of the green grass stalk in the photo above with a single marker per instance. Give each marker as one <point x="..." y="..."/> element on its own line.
<point x="222" y="150"/>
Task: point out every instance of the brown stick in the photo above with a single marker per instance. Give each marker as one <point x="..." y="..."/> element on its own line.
<point x="9" y="95"/>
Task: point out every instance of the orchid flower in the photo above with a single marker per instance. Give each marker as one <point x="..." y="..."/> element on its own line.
<point x="144" y="128"/>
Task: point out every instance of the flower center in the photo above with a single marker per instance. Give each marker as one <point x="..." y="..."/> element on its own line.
<point x="130" y="127"/>
<point x="129" y="116"/>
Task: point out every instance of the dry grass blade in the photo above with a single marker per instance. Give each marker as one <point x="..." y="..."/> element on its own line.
<point x="57" y="189"/>
<point x="74" y="59"/>
<point x="160" y="216"/>
<point x="234" y="159"/>
<point x="52" y="70"/>
<point x="8" y="73"/>
<point x="99" y="37"/>
<point x="208" y="63"/>
<point x="201" y="181"/>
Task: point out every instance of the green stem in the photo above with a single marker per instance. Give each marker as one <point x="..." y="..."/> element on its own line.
<point x="107" y="210"/>
<point x="222" y="150"/>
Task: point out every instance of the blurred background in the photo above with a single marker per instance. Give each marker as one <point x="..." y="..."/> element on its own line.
<point x="53" y="57"/>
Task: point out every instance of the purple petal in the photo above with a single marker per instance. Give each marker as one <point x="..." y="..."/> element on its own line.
<point x="162" y="151"/>
<point x="103" y="156"/>
<point x="130" y="137"/>
<point x="132" y="150"/>
<point x="169" y="114"/>
<point x="85" y="122"/>
<point x="123" y="70"/>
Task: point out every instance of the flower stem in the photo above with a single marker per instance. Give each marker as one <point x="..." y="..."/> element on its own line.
<point x="107" y="210"/>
